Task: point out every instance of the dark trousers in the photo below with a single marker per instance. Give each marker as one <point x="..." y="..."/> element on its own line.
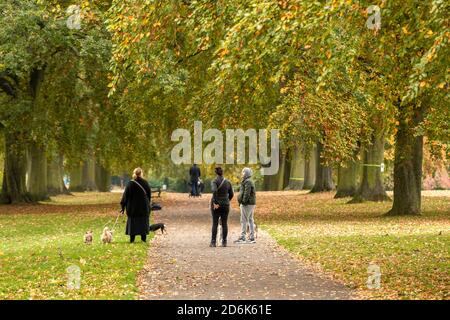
<point x="194" y="188"/>
<point x="222" y="214"/>
<point x="143" y="237"/>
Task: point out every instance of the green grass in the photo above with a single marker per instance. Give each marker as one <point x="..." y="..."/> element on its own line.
<point x="342" y="239"/>
<point x="38" y="243"/>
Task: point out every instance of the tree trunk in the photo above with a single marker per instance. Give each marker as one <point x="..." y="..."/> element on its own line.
<point x="371" y="187"/>
<point x="346" y="186"/>
<point x="281" y="175"/>
<point x="37" y="176"/>
<point x="287" y="170"/>
<point x="324" y="180"/>
<point x="88" y="175"/>
<point x="310" y="170"/>
<point x="297" y="172"/>
<point x="277" y="181"/>
<point x="55" y="176"/>
<point x="61" y="168"/>
<point x="408" y="166"/>
<point x="270" y="182"/>
<point x="54" y="186"/>
<point x="14" y="172"/>
<point x="102" y="178"/>
<point x="265" y="183"/>
<point x="76" y="173"/>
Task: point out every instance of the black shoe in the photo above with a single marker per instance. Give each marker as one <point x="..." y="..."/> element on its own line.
<point x="240" y="240"/>
<point x="224" y="243"/>
<point x="212" y="244"/>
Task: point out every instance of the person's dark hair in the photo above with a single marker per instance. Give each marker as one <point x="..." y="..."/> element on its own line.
<point x="218" y="171"/>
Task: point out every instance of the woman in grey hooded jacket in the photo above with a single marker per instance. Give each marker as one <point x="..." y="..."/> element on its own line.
<point x="247" y="203"/>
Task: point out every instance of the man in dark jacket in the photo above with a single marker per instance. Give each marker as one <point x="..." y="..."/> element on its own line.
<point x="247" y="203"/>
<point x="136" y="201"/>
<point x="195" y="174"/>
<point x="220" y="205"/>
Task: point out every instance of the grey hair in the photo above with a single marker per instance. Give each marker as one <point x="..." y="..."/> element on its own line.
<point x="247" y="172"/>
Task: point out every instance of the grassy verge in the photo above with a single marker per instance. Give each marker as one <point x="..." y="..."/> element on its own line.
<point x="38" y="243"/>
<point x="343" y="239"/>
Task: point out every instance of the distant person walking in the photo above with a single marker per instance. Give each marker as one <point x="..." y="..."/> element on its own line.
<point x="220" y="206"/>
<point x="247" y="203"/>
<point x="136" y="201"/>
<point x="195" y="174"/>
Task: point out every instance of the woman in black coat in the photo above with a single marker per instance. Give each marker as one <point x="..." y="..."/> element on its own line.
<point x="136" y="201"/>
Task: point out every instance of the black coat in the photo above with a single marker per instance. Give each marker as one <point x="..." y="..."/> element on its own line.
<point x="136" y="202"/>
<point x="223" y="195"/>
<point x="195" y="173"/>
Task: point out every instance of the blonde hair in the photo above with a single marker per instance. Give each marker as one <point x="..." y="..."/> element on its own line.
<point x="137" y="173"/>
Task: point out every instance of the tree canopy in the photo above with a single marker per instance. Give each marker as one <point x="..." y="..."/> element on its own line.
<point x="351" y="77"/>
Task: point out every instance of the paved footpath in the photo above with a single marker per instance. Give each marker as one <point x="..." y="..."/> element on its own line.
<point x="181" y="265"/>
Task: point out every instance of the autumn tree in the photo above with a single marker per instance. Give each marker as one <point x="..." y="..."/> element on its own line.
<point x="45" y="68"/>
<point x="406" y="56"/>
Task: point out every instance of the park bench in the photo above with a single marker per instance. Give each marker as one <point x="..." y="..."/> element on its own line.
<point x="156" y="189"/>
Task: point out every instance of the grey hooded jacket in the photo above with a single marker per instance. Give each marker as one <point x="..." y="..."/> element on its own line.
<point x="247" y="192"/>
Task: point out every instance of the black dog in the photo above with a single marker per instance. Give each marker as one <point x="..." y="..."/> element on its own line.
<point x="157" y="226"/>
<point x="155" y="206"/>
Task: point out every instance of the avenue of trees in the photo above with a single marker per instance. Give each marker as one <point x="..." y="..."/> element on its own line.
<point x="341" y="89"/>
<point x="54" y="112"/>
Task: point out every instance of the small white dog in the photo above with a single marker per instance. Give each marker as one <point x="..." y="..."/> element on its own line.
<point x="88" y="236"/>
<point x="107" y="235"/>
